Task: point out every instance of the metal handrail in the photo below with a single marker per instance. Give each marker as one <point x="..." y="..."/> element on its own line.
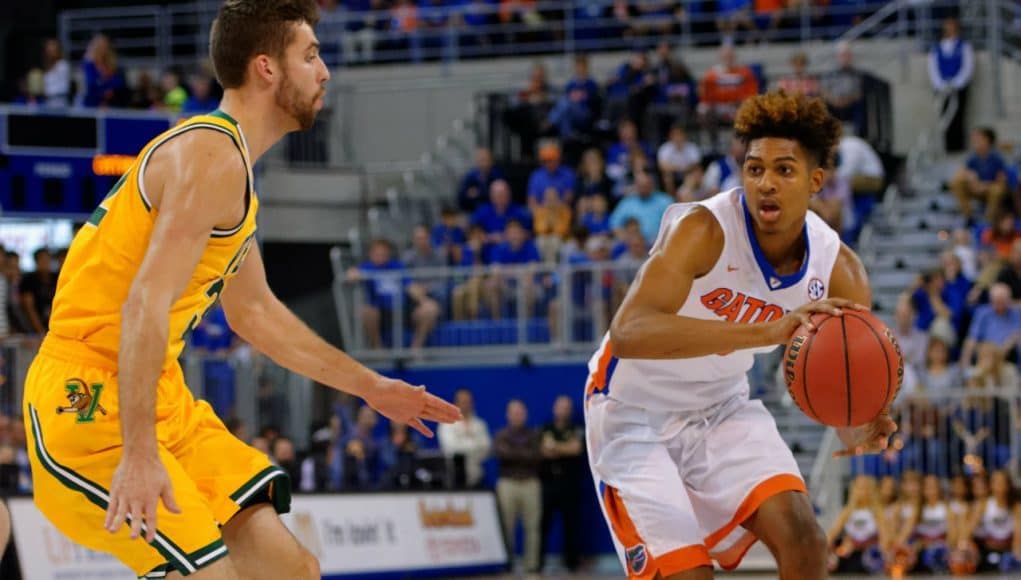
<point x="168" y="21"/>
<point x="829" y="474"/>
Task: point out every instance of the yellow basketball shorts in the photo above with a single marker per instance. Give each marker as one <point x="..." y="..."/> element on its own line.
<point x="75" y="444"/>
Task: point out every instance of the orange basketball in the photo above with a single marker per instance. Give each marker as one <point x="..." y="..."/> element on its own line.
<point x="846" y="372"/>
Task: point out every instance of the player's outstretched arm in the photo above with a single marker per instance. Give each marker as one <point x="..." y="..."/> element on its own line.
<point x="647" y="325"/>
<point x="259" y="317"/>
<point x="850" y="281"/>
<point x="196" y="182"/>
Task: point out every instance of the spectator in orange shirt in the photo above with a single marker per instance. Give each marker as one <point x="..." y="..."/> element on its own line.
<point x="723" y="89"/>
<point x="552" y="223"/>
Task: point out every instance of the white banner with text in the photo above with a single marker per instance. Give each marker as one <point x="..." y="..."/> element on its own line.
<point x="350" y="534"/>
<point x="364" y="533"/>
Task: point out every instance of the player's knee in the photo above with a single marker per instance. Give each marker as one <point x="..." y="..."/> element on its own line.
<point x="430" y="310"/>
<point x="799" y="534"/>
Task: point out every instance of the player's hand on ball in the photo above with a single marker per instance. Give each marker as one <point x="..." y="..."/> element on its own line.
<point x="398" y="401"/>
<point x="138" y="485"/>
<point x="785" y="327"/>
<point x="867" y="439"/>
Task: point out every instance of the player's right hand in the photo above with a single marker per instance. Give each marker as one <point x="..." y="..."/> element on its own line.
<point x="781" y="330"/>
<point x="398" y="401"/>
<point x="138" y="485"/>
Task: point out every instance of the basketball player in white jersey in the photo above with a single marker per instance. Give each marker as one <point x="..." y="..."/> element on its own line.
<point x="688" y="468"/>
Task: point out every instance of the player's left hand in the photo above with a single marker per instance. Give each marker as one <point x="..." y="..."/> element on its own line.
<point x="401" y="402"/>
<point x="869" y="438"/>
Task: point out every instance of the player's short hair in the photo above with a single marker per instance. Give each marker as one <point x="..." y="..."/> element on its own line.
<point x="796" y="117"/>
<point x="244" y="29"/>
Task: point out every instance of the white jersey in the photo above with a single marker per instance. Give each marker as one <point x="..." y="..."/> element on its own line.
<point x="997" y="522"/>
<point x="933" y="522"/>
<point x="741" y="287"/>
<point x="861" y="526"/>
<point x="958" y="507"/>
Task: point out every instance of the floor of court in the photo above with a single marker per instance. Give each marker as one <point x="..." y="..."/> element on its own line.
<point x="743" y="576"/>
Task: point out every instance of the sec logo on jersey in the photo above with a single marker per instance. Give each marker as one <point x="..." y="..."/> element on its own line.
<point x="816" y="289"/>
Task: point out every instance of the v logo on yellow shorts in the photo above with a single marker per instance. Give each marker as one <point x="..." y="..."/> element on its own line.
<point x="83" y="401"/>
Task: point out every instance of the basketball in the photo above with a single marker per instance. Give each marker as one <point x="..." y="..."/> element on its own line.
<point x="846" y="372"/>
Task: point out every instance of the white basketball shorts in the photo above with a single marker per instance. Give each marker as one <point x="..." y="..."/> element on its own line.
<point x="676" y="487"/>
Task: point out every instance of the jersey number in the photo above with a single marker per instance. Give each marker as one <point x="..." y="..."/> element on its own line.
<point x="216" y="286"/>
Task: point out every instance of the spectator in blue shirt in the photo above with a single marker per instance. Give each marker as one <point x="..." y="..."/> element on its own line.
<point x="493" y="216"/>
<point x="997" y="322"/>
<point x="955" y="290"/>
<point x="644" y="204"/>
<point x="631" y="88"/>
<point x="576" y="111"/>
<point x="475" y="185"/>
<point x="551" y="174"/>
<point x="105" y="85"/>
<point x="383" y="293"/>
<point x="448" y="234"/>
<point x="983" y="176"/>
<point x="517" y="250"/>
<point x="929" y="301"/>
<point x="594" y="214"/>
<point x="620" y="157"/>
<point x="202" y="99"/>
<point x="467" y="292"/>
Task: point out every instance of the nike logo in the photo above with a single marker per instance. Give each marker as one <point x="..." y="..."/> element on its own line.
<point x="731" y="268"/>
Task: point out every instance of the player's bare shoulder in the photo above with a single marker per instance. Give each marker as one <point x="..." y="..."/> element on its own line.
<point x="695" y="238"/>
<point x="849" y="278"/>
<point x="205" y="162"/>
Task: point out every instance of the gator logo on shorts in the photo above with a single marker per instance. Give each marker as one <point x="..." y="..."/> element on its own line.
<point x="637" y="558"/>
<point x="84" y="402"/>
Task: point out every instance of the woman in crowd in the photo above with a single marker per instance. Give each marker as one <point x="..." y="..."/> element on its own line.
<point x="933" y="528"/>
<point x="105" y="85"/>
<point x="959" y="505"/>
<point x="592" y="179"/>
<point x="993" y="523"/>
<point x="859" y="531"/>
<point x="941" y="375"/>
<point x="899" y="553"/>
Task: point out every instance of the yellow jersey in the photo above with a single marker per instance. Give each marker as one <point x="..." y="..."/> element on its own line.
<point x="107" y="252"/>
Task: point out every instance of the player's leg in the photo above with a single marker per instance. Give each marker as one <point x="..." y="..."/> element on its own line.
<point x="739" y="466"/>
<point x="73" y="457"/>
<point x="531" y="519"/>
<point x="245" y="492"/>
<point x="960" y="186"/>
<point x="786" y="524"/>
<point x="371" y="320"/>
<point x="261" y="547"/>
<point x="222" y="569"/>
<point x="645" y="502"/>
<point x="424" y="316"/>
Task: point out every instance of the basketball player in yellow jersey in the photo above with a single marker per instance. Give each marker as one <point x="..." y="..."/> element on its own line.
<point x="123" y="459"/>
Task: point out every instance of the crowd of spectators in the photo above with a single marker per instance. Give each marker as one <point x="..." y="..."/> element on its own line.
<point x="537" y="471"/>
<point x="99" y="81"/>
<point x="592" y="200"/>
<point x="927" y="524"/>
<point x="361" y="30"/>
<point x="28" y="295"/>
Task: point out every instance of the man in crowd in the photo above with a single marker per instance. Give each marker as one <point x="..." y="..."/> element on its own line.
<point x="468" y="438"/>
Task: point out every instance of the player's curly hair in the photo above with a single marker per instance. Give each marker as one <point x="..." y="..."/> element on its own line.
<point x="797" y="117"/>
